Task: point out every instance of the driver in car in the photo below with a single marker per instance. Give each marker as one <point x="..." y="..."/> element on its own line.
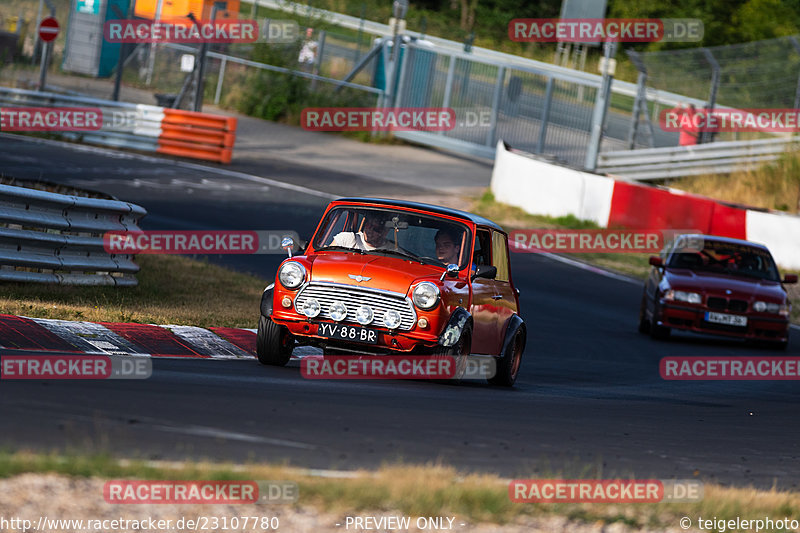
<point x="448" y="246"/>
<point x="371" y="236"/>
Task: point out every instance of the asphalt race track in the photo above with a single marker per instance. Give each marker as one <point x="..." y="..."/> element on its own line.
<point x="589" y="400"/>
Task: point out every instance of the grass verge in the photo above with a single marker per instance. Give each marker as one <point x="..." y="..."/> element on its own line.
<point x="417" y="490"/>
<point x="171" y="290"/>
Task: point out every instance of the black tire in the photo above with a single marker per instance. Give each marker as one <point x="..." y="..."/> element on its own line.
<point x="644" y="324"/>
<point x="509" y="365"/>
<point x="459" y="351"/>
<point x="274" y="343"/>
<point x="659" y="333"/>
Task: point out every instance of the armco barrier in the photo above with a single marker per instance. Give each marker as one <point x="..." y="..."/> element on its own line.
<point x="146" y="128"/>
<point x="56" y="238"/>
<point x="197" y="135"/>
<point x="543" y="188"/>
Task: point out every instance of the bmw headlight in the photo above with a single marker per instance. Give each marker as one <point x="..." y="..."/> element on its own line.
<point x="338" y="311"/>
<point x="364" y="315"/>
<point x="772" y="308"/>
<point x="292" y="274"/>
<point x="391" y="319"/>
<point x="683" y="296"/>
<point x="311" y="308"/>
<point x="426" y="295"/>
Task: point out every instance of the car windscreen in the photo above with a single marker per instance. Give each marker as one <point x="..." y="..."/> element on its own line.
<point x="727" y="258"/>
<point x="384" y="231"/>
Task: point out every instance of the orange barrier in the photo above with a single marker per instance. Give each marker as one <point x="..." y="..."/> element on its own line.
<point x="197" y="135"/>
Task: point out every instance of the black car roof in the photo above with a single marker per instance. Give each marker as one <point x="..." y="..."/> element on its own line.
<point x="426" y="207"/>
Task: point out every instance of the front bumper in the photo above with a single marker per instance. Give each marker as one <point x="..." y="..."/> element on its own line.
<point x="306" y="332"/>
<point x="693" y="319"/>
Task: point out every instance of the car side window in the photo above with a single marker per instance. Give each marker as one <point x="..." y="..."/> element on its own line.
<point x="500" y="256"/>
<point x="483" y="248"/>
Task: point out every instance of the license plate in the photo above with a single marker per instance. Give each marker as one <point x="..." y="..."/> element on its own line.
<point x="347" y="333"/>
<point x="723" y="318"/>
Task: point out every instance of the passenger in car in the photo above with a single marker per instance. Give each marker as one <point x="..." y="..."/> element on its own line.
<point x="371" y="236"/>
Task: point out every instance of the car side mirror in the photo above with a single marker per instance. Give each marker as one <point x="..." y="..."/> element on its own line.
<point x="287" y="244"/>
<point x="452" y="270"/>
<point x="656" y="261"/>
<point x="790" y="278"/>
<point x="485" y="271"/>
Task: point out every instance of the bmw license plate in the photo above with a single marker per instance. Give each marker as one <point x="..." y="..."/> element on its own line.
<point x="347" y="333"/>
<point x="724" y="318"/>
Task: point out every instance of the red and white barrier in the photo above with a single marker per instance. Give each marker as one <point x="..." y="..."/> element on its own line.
<point x="544" y="188"/>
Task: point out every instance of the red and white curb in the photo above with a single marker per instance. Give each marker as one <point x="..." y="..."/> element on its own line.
<point x="128" y="339"/>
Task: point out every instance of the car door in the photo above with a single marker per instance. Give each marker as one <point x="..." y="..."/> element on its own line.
<point x="504" y="301"/>
<point x="484" y="327"/>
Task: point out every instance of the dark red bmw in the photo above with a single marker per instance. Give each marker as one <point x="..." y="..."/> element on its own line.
<point x="716" y="285"/>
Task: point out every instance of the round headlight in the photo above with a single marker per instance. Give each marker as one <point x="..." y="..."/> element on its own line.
<point x="760" y="306"/>
<point x="364" y="315"/>
<point x="311" y="308"/>
<point x="391" y="319"/>
<point x="338" y="311"/>
<point x="426" y="295"/>
<point x="292" y="274"/>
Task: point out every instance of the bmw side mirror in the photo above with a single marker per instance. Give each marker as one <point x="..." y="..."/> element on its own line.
<point x="790" y="278"/>
<point x="656" y="261"/>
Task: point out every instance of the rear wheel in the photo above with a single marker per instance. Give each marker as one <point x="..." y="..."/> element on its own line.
<point x="459" y="352"/>
<point x="274" y="343"/>
<point x="508" y="365"/>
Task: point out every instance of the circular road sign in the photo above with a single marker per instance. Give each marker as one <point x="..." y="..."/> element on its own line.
<point x="48" y="29"/>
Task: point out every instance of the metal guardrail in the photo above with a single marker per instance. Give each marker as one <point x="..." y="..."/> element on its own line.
<point x="135" y="126"/>
<point x="56" y="238"/>
<point x="678" y="162"/>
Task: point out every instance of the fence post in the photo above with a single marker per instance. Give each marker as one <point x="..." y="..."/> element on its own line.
<point x="448" y="85"/>
<point x="548" y="97"/>
<point x="498" y="90"/>
<point x="219" y="80"/>
<point x="600" y="110"/>
<point x="318" y="62"/>
<point x="705" y="136"/>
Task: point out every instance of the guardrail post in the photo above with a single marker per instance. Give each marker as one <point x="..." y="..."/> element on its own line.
<point x="498" y="90"/>
<point x="796" y="47"/>
<point x="548" y="97"/>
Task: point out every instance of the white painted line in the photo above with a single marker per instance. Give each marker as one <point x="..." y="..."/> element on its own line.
<point x="591" y="268"/>
<point x="183" y="164"/>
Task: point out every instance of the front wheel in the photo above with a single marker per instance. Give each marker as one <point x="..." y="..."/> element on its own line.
<point x="508" y="365"/>
<point x="459" y="352"/>
<point x="274" y="343"/>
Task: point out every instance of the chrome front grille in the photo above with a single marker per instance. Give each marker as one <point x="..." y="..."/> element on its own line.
<point x="353" y="297"/>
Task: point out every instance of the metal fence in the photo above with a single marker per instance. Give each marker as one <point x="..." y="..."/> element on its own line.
<point x="55" y="238"/>
<point x="760" y="74"/>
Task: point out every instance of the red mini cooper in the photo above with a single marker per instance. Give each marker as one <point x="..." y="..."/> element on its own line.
<point x="716" y="285"/>
<point x="394" y="277"/>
